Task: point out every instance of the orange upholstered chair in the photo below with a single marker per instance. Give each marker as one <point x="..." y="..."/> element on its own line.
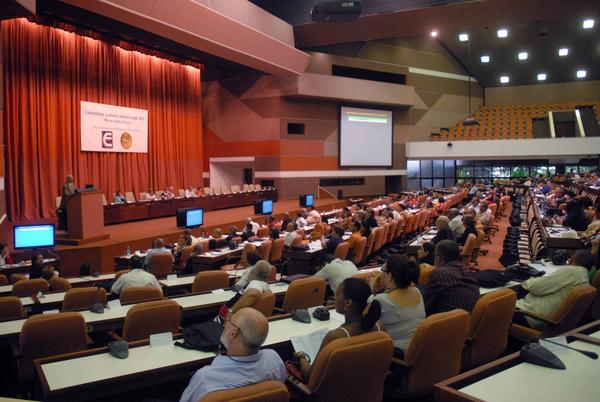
<point x="379" y="238"/>
<point x="565" y="318"/>
<point x="161" y="264"/>
<point x="362" y="275"/>
<point x="138" y="294"/>
<point x="155" y="317"/>
<point x="265" y="250"/>
<point x="434" y="353"/>
<point x="595" y="307"/>
<point x="467" y="250"/>
<point x="351" y="369"/>
<point x="268" y="391"/>
<point x="243" y="262"/>
<point x="14" y="278"/>
<point x="424" y="271"/>
<point x="369" y="247"/>
<point x="59" y="284"/>
<point x="83" y="298"/>
<point x="262" y="232"/>
<point x="341" y="250"/>
<point x="45" y="335"/>
<point x="121" y="272"/>
<point x="304" y="293"/>
<point x="359" y="251"/>
<point x="277" y="250"/>
<point x="185" y="255"/>
<point x="29" y="287"/>
<point x="488" y="330"/>
<point x="3" y="280"/>
<point x="210" y="280"/>
<point x="265" y="304"/>
<point x="11" y="308"/>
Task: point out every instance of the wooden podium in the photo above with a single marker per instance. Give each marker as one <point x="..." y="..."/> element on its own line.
<point x="85" y="218"/>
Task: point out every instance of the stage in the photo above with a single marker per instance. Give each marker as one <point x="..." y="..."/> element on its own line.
<point x="139" y="235"/>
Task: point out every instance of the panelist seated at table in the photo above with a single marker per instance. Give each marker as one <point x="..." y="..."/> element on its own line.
<point x="244" y="362"/>
<point x="168" y="194"/>
<point x="190" y="192"/>
<point x="5" y="257"/>
<point x="119" y="198"/>
<point x="151" y="195"/>
<point x="548" y="292"/>
<point x="135" y="278"/>
<point x="158" y="247"/>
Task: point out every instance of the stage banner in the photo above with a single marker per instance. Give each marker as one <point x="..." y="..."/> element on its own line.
<point x="108" y="128"/>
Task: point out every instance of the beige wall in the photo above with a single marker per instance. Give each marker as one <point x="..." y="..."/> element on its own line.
<point x="543" y="93"/>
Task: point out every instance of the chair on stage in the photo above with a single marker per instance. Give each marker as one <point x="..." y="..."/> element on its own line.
<point x="267" y="391"/>
<point x="210" y="280"/>
<point x="235" y="188"/>
<point x="129" y="197"/>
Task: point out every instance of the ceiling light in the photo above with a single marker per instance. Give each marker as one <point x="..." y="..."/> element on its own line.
<point x="563" y="52"/>
<point x="504" y="79"/>
<point x="581" y="73"/>
<point x="463" y="37"/>
<point x="523" y="56"/>
<point x="434" y="34"/>
<point x="541" y="77"/>
<point x="503" y="33"/>
<point x="485" y="59"/>
<point x="588" y="24"/>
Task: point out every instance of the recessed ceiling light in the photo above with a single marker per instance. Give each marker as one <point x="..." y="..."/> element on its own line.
<point x="434" y="34"/>
<point x="485" y="59"/>
<point x="523" y="56"/>
<point x="588" y="24"/>
<point x="463" y="37"/>
<point x="504" y="79"/>
<point x="563" y="52"/>
<point x="502" y="33"/>
<point x="581" y="73"/>
<point x="541" y="77"/>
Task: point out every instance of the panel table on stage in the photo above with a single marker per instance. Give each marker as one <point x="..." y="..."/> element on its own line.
<point x="142" y="210"/>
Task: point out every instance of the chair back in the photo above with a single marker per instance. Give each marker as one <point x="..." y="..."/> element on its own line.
<point x="434" y="353"/>
<point x="569" y="313"/>
<point x="488" y="330"/>
<point x="262" y="232"/>
<point x="3" y="279"/>
<point x="304" y="293"/>
<point x="148" y="318"/>
<point x="83" y="298"/>
<point x="45" y="335"/>
<point x="181" y="193"/>
<point x="265" y="250"/>
<point x="370" y="242"/>
<point x="277" y="250"/>
<point x="14" y="278"/>
<point x="160" y="264"/>
<point x="206" y="191"/>
<point x="410" y="225"/>
<point x="59" y="284"/>
<point x="352" y="369"/>
<point x="185" y="255"/>
<point x="424" y="271"/>
<point x="249" y="247"/>
<point x="362" y="275"/>
<point x="143" y="196"/>
<point x="341" y="250"/>
<point x="477" y="246"/>
<point x="129" y="196"/>
<point x="267" y="391"/>
<point x="265" y="304"/>
<point x="121" y="272"/>
<point x="378" y="242"/>
<point x="467" y="250"/>
<point x="11" y="308"/>
<point x="28" y="287"/>
<point x="138" y="294"/>
<point x="317" y="232"/>
<point x="235" y="188"/>
<point x="210" y="280"/>
<point x="595" y="307"/>
<point x="391" y="231"/>
<point x="359" y="250"/>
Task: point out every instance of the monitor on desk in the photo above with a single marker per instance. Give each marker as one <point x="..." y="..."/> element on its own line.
<point x="263" y="207"/>
<point x="307" y="200"/>
<point x="33" y="236"/>
<point x="194" y="217"/>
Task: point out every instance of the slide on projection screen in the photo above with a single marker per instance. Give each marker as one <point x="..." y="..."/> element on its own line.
<point x="365" y="137"/>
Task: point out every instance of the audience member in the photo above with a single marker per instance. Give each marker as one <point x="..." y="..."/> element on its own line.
<point x="5" y="257"/>
<point x="455" y="224"/>
<point x="336" y="271"/>
<point x="470" y="225"/>
<point x="136" y="277"/>
<point x="426" y="253"/>
<point x="158" y="248"/>
<point x="37" y="263"/>
<point x="575" y="218"/>
<point x="483" y="215"/>
<point x="443" y="230"/>
<point x="290" y="237"/>
<point x="335" y="238"/>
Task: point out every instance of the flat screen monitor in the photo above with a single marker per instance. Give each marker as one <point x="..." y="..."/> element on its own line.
<point x="307" y="200"/>
<point x="33" y="236"/>
<point x="267" y="207"/>
<point x="194" y="217"/>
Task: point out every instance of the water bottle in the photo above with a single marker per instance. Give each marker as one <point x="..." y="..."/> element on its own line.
<point x="128" y="251"/>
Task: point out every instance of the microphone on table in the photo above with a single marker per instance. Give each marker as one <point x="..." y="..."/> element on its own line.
<point x="537" y="354"/>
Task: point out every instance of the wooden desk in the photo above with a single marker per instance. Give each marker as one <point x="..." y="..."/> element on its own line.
<point x="142" y="210"/>
<point x="303" y="262"/>
<point x="415" y="244"/>
<point x="71" y="377"/>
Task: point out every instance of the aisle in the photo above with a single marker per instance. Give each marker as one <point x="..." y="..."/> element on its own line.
<point x="495" y="249"/>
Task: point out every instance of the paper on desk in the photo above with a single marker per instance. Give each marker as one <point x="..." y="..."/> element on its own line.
<point x="334" y="315"/>
<point x="309" y="343"/>
<point x="557" y="350"/>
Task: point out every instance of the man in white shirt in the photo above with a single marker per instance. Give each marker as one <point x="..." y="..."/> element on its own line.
<point x="190" y="193"/>
<point x="291" y="236"/>
<point x="455" y="223"/>
<point x="158" y="248"/>
<point x="336" y="272"/>
<point x="136" y="277"/>
<point x="301" y="220"/>
<point x="483" y="215"/>
<point x="314" y="214"/>
<point x="255" y="226"/>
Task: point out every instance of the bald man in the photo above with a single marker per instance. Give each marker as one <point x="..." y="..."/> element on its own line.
<point x="244" y="364"/>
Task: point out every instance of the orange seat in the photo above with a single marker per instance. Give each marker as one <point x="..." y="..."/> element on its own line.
<point x="29" y="287"/>
<point x="267" y="391"/>
<point x="304" y="293"/>
<point x="11" y="308"/>
<point x="161" y="264"/>
<point x="265" y="304"/>
<point x="83" y="298"/>
<point x="59" y="284"/>
<point x="137" y="294"/>
<point x="154" y="317"/>
<point x="210" y="280"/>
<point x="341" y="250"/>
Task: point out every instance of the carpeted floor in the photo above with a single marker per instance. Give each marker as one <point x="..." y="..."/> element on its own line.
<point x="495" y="249"/>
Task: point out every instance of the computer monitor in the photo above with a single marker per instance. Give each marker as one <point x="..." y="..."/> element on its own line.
<point x="194" y="217"/>
<point x="307" y="200"/>
<point x="34" y="236"/>
<point x="267" y="207"/>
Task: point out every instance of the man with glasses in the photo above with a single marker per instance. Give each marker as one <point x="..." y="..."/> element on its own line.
<point x="244" y="362"/>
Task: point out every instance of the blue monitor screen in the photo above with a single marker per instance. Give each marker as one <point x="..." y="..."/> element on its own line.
<point x="267" y="207"/>
<point x="309" y="200"/>
<point x="194" y="217"/>
<point x="33" y="236"/>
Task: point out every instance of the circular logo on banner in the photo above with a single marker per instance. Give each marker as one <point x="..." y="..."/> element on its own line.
<point x="126" y="140"/>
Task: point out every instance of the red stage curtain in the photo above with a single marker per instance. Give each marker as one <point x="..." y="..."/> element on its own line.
<point x="47" y="72"/>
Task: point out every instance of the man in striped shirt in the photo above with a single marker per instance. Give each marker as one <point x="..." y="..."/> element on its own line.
<point x="450" y="285"/>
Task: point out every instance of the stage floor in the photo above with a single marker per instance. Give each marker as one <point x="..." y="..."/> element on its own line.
<point x="139" y="235"/>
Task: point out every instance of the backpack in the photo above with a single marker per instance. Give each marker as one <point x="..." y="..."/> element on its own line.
<point x="205" y="336"/>
<point x="493" y="278"/>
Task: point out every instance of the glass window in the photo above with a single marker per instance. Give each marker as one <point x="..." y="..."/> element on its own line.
<point x="500" y="171"/>
<point x="426" y="183"/>
<point x="540" y="170"/>
<point x="449" y="169"/>
<point x="426" y="168"/>
<point x="413" y="169"/>
<point x="519" y="171"/>
<point x="438" y="168"/>
<point x="586" y="169"/>
<point x="483" y="171"/>
<point x="449" y="182"/>
<point x="551" y="169"/>
<point x="438" y="183"/>
<point x="414" y="184"/>
<point x="464" y="171"/>
<point x="570" y="168"/>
